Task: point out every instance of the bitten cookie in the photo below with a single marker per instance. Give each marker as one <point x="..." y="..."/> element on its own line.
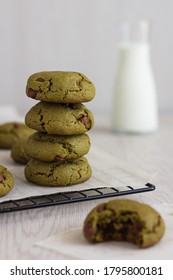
<point x="60" y="87"/>
<point x="6" y="181"/>
<point x="18" y="150"/>
<point x="56" y="173"/>
<point x="124" y="220"/>
<point x="48" y="147"/>
<point x="12" y="131"/>
<point x="61" y="119"/>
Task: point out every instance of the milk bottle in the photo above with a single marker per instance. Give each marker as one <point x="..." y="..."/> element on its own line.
<point x="135" y="100"/>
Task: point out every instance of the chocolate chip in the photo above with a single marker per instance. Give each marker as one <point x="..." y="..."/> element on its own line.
<point x="101" y="207"/>
<point x="135" y="229"/>
<point x="1" y="178"/>
<point x="85" y="121"/>
<point x="58" y="158"/>
<point x="40" y="80"/>
<point x="77" y="83"/>
<point x="88" y="230"/>
<point x="32" y="93"/>
<point x="16" y="125"/>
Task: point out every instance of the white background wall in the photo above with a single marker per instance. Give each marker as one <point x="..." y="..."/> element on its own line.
<point x="78" y="35"/>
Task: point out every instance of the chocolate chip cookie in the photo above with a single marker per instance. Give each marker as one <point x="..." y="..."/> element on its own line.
<point x="18" y="150"/>
<point x="57" y="173"/>
<point x="50" y="147"/>
<point x="60" y="87"/>
<point x="60" y="119"/>
<point x="12" y="131"/>
<point x="124" y="220"/>
<point x="6" y="181"/>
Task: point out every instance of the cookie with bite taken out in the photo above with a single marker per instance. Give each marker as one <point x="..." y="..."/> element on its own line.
<point x="124" y="220"/>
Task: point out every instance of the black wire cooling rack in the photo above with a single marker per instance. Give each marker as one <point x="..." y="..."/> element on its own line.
<point x="70" y="197"/>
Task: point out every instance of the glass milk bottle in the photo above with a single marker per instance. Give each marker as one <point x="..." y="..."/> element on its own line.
<point x="135" y="100"/>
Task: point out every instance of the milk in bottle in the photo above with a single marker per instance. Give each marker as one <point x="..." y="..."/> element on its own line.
<point x="135" y="99"/>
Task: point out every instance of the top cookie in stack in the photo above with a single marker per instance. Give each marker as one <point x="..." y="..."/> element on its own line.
<point x="60" y="87"/>
<point x="61" y="121"/>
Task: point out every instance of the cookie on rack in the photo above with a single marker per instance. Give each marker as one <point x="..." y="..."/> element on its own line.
<point x="60" y="119"/>
<point x="124" y="220"/>
<point x="6" y="181"/>
<point x="60" y="87"/>
<point x="12" y="131"/>
<point x="50" y="147"/>
<point x="57" y="173"/>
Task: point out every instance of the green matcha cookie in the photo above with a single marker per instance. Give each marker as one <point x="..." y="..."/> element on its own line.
<point x="12" y="131"/>
<point x="18" y="150"/>
<point x="60" y="87"/>
<point x="6" y="181"/>
<point x="61" y="119"/>
<point x="57" y="173"/>
<point x="124" y="220"/>
<point x="48" y="147"/>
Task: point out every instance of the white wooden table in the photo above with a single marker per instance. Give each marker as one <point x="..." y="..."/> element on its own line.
<point x="20" y="230"/>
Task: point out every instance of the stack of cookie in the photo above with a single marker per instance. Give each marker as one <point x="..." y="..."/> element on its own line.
<point x="57" y="150"/>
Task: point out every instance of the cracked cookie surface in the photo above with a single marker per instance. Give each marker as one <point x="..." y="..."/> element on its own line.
<point x="60" y="119"/>
<point x="12" y="131"/>
<point x="50" y="147"/>
<point x="60" y="87"/>
<point x="56" y="173"/>
<point x="124" y="220"/>
<point x="6" y="181"/>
